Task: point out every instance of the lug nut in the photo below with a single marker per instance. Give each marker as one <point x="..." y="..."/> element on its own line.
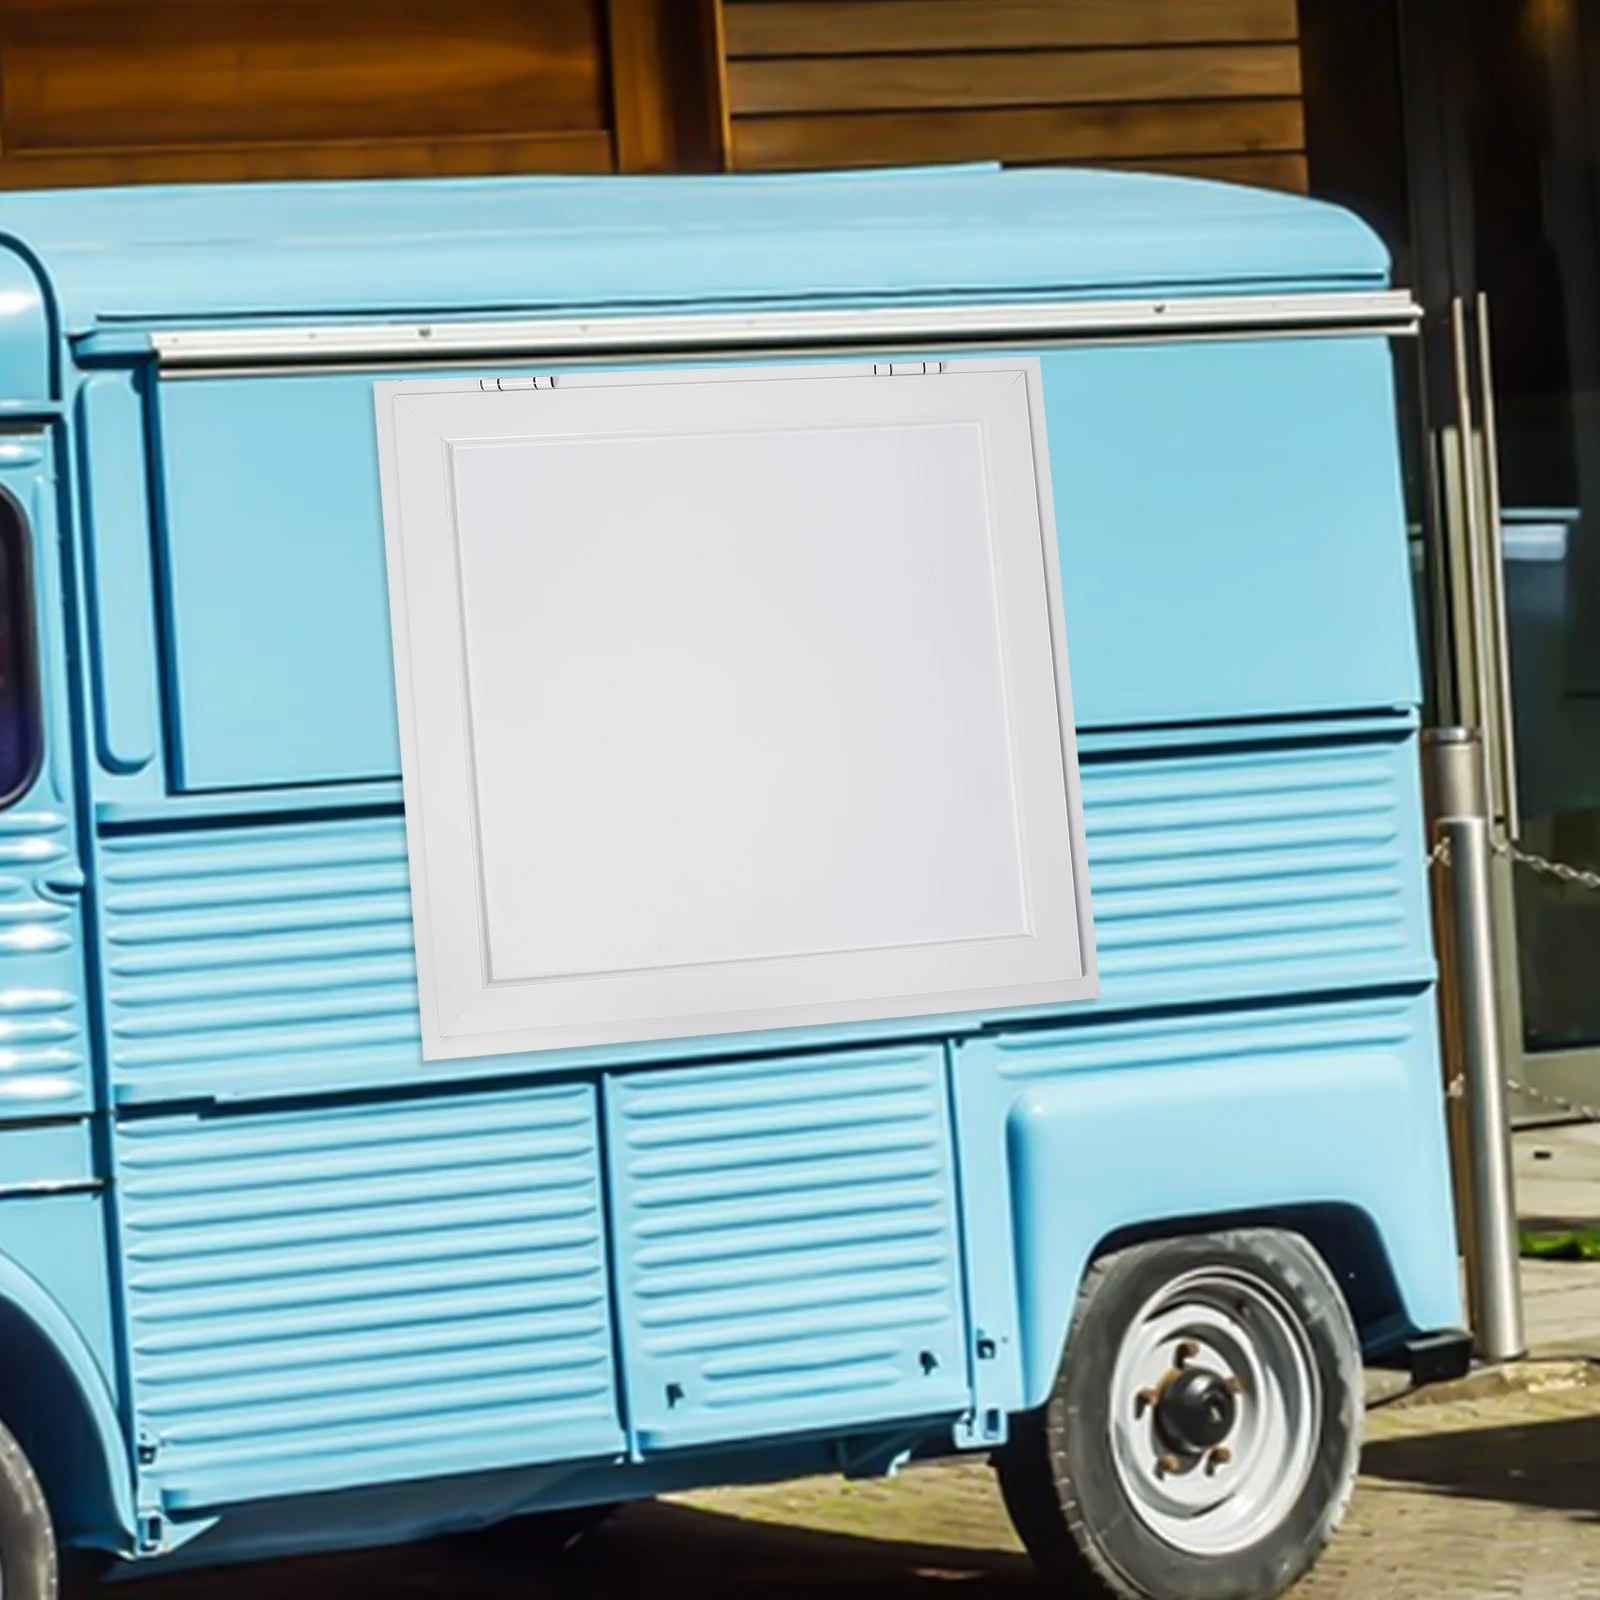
<point x="1143" y="1401"/>
<point x="1166" y="1465"/>
<point x="1187" y="1351"/>
<point x="1219" y="1457"/>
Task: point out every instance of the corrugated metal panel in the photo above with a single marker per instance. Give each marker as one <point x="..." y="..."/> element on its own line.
<point x="242" y="956"/>
<point x="358" y="1293"/>
<point x="786" y="1241"/>
<point x="1256" y="872"/>
<point x="1386" y="1024"/>
<point x="44" y="1067"/>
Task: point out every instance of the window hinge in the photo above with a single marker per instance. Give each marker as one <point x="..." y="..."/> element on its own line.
<point x="542" y="380"/>
<point x="905" y="369"/>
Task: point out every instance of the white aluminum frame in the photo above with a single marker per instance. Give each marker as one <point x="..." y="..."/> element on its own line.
<point x="1049" y="960"/>
<point x="1383" y="312"/>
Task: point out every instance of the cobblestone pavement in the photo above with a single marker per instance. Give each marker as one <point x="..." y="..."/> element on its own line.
<point x="1479" y="1494"/>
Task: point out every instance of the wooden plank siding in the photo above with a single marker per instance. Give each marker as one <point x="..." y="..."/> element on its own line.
<point x="1208" y="87"/>
<point x="120" y="91"/>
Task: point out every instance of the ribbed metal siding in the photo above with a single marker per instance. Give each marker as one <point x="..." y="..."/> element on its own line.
<point x="351" y="1294"/>
<point x="44" y="1067"/>
<point x="1384" y="1025"/>
<point x="786" y="1242"/>
<point x="260" y="958"/>
<point x="1256" y="872"/>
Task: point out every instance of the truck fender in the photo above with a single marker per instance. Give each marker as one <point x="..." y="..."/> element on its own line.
<point x="1099" y="1154"/>
<point x="43" y="1319"/>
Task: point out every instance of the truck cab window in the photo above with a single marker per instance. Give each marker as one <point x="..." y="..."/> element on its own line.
<point x="21" y="738"/>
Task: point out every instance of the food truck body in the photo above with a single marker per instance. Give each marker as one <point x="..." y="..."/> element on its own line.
<point x="287" y="1265"/>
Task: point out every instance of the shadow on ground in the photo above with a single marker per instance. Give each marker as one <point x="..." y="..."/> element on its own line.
<point x="1554" y="1465"/>
<point x="644" y="1549"/>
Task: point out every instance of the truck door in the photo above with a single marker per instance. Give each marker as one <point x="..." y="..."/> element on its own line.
<point x="52" y="1225"/>
<point x="44" y="1065"/>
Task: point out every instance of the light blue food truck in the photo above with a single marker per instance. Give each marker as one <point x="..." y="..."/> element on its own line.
<point x="664" y="832"/>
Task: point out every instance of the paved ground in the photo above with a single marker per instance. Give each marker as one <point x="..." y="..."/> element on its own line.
<point x="1558" y="1174"/>
<point x="1558" y="1185"/>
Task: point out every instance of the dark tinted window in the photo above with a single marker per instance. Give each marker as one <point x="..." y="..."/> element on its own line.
<point x="20" y="733"/>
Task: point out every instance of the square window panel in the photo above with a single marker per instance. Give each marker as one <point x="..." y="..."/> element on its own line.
<point x="731" y="700"/>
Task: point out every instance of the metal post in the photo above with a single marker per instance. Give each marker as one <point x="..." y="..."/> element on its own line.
<point x="1460" y="790"/>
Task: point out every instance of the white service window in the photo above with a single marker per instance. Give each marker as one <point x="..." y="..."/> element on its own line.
<point x="730" y="700"/>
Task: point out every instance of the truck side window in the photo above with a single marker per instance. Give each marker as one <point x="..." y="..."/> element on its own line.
<point x="21" y="737"/>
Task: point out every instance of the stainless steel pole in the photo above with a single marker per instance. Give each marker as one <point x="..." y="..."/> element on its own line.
<point x="1460" y="789"/>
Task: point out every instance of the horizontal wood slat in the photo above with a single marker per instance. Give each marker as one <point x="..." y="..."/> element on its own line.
<point x="327" y="159"/>
<point x="243" y="72"/>
<point x="1033" y="134"/>
<point x="851" y="27"/>
<point x="1269" y="171"/>
<point x="1038" y="77"/>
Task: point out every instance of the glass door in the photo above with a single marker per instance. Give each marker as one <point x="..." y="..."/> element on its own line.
<point x="1506" y="150"/>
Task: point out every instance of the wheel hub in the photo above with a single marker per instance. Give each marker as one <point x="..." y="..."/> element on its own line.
<point x="1215" y="1401"/>
<point x="1196" y="1410"/>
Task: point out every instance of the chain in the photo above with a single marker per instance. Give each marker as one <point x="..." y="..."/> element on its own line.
<point x="1512" y="851"/>
<point x="1544" y="866"/>
<point x="1504" y="846"/>
<point x="1556" y="1102"/>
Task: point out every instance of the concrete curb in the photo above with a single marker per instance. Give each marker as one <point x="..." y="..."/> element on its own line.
<point x="1533" y="1376"/>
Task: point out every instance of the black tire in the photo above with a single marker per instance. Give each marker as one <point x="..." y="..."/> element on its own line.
<point x="1065" y="1494"/>
<point x="27" y="1540"/>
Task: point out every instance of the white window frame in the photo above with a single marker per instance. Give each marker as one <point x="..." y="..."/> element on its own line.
<point x="464" y="1011"/>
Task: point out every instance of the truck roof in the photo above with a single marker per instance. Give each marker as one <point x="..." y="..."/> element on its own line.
<point x="204" y="253"/>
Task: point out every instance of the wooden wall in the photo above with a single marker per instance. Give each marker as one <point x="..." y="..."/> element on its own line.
<point x="1206" y="86"/>
<point x="107" y="91"/>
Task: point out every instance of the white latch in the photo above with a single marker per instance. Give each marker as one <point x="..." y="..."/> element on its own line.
<point x="543" y="380"/>
<point x="905" y="369"/>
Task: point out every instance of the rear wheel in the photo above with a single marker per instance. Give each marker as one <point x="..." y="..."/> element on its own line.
<point x="1201" y="1440"/>
<point x="27" y="1540"/>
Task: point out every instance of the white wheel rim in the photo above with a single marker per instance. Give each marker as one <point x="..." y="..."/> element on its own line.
<point x="1232" y="1327"/>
